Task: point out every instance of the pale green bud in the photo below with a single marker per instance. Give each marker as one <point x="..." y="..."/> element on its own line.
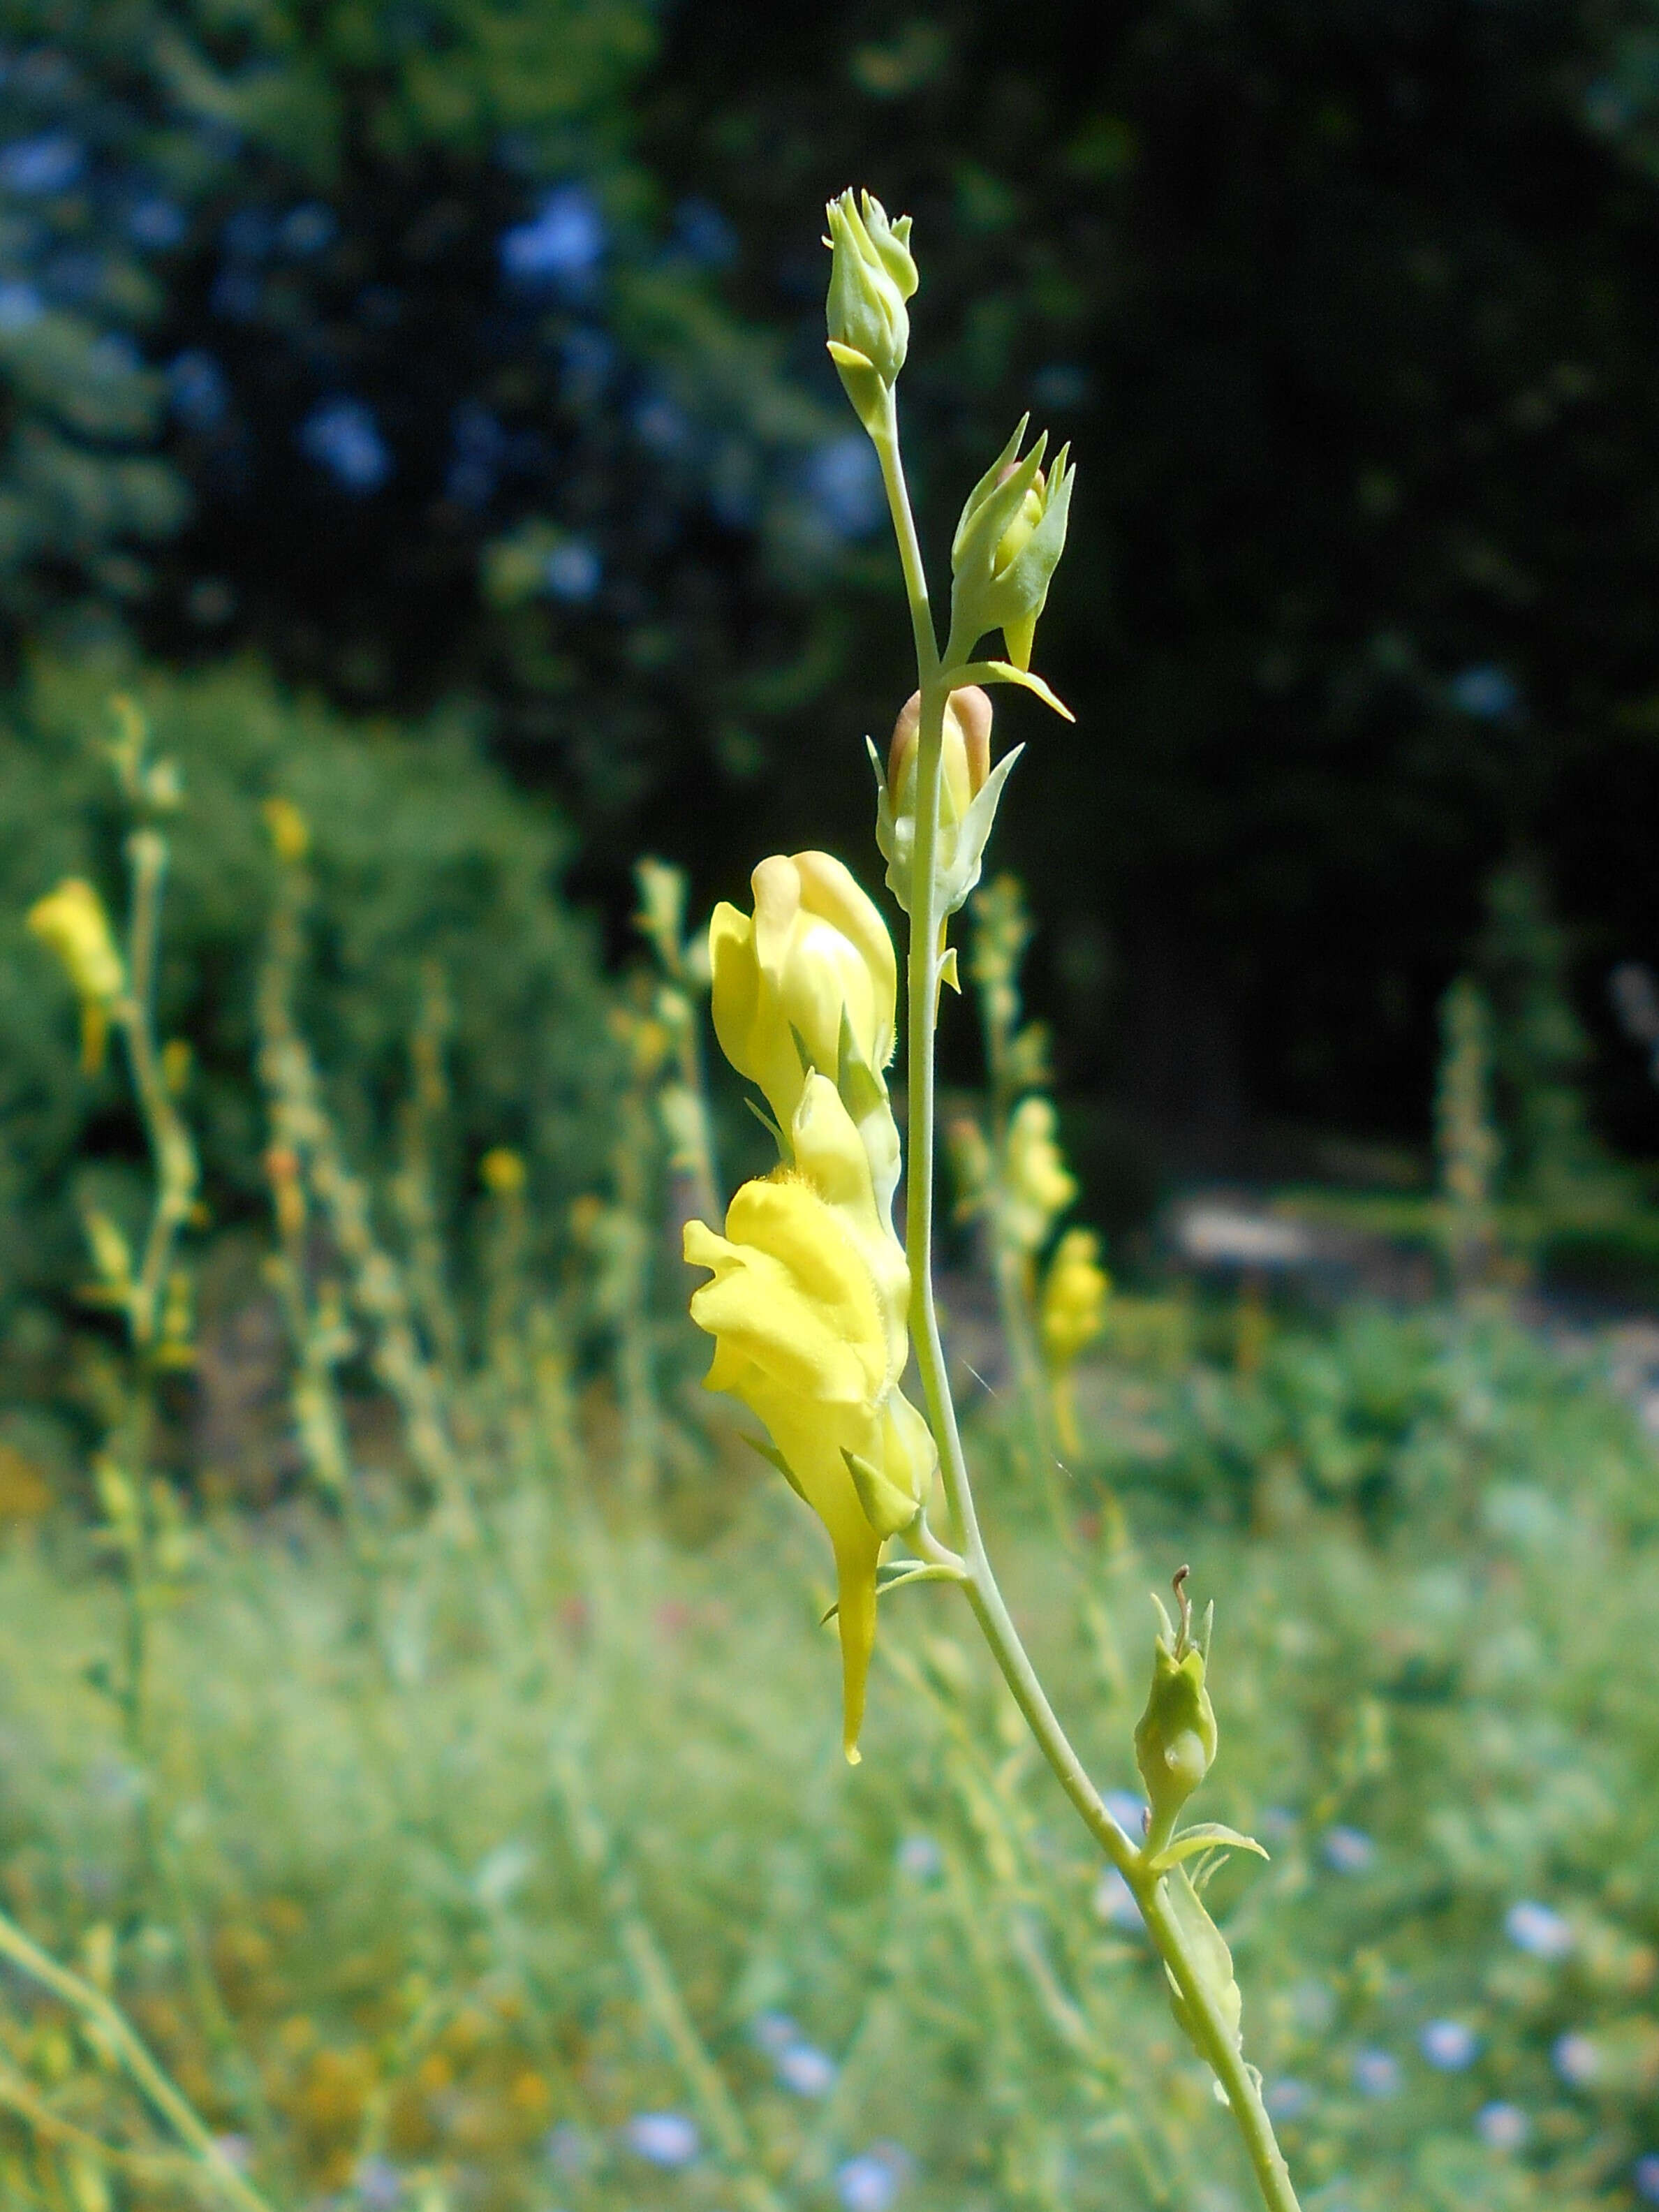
<point x="1176" y="1736"/>
<point x="1008" y="546"/>
<point x="871" y="278"/>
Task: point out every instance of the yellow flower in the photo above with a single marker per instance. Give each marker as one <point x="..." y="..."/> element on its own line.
<point x="1074" y="1294"/>
<point x="291" y="833"/>
<point x="1073" y="1313"/>
<point x="1038" y="1184"/>
<point x="72" y="920"/>
<point x="807" y="1312"/>
<point x="815" y="958"/>
<point x="502" y="1172"/>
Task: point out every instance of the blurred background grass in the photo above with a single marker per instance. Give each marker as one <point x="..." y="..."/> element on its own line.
<point x="421" y="412"/>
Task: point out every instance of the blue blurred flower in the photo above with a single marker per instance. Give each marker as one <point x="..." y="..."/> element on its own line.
<point x="1449" y="2045"/>
<point x="843" y="482"/>
<point x="1502" y="2127"/>
<point x="1646" y="2178"/>
<point x="570" y="2151"/>
<point x="703" y="232"/>
<point x="774" y="2031"/>
<point x="1289" y="2099"/>
<point x="1129" y="1811"/>
<point x="660" y="425"/>
<point x="1348" y="1851"/>
<point x="480" y="444"/>
<point x="236" y="295"/>
<point x="34" y="167"/>
<point x="1376" y="2073"/>
<point x="1575" y="2058"/>
<point x="113" y="357"/>
<point x="666" y="2139"/>
<point x="76" y="277"/>
<point x="920" y="1857"/>
<point x="20" y="305"/>
<point x="572" y="572"/>
<point x="248" y="234"/>
<point x="588" y="356"/>
<point x="563" y="243"/>
<point x="1538" y="1928"/>
<point x="1485" y="692"/>
<point x="1114" y="1901"/>
<point x="156" y="224"/>
<point x="306" y="229"/>
<point x="378" y="2183"/>
<point x="198" y="391"/>
<point x="807" y="2070"/>
<point x="342" y="436"/>
<point x="870" y="2182"/>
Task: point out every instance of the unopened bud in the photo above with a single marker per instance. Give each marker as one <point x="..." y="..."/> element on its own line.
<point x="1176" y="1737"/>
<point x="872" y="277"/>
<point x="1008" y="546"/>
<point x="969" y="792"/>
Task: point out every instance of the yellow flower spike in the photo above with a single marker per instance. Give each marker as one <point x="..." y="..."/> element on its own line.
<point x="814" y="961"/>
<point x="502" y="1171"/>
<point x="289" y="832"/>
<point x="72" y="922"/>
<point x="1073" y="1315"/>
<point x="1038" y="1185"/>
<point x="806" y="1307"/>
<point x="1074" y="1294"/>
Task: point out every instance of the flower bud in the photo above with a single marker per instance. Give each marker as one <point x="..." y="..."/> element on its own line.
<point x="872" y="275"/>
<point x="72" y="920"/>
<point x="806" y="983"/>
<point x="967" y="795"/>
<point x="1008" y="546"/>
<point x="1176" y="1736"/>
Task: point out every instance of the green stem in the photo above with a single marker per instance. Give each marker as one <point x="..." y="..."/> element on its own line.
<point x="984" y="1593"/>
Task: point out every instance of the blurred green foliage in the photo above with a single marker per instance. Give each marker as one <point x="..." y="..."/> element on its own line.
<point x="441" y="1848"/>
<point x="429" y="873"/>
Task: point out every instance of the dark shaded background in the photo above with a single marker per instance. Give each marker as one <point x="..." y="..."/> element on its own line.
<point x="477" y="353"/>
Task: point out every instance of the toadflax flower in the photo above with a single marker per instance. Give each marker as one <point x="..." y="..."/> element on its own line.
<point x="807" y="1310"/>
<point x="72" y="922"/>
<point x="810" y="982"/>
<point x="1072" y="1316"/>
<point x="1039" y="1184"/>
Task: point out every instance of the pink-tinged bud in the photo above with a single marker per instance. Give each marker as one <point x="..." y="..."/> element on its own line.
<point x="967" y="748"/>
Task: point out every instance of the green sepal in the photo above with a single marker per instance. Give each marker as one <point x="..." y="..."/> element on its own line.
<point x="862" y="384"/>
<point x="897" y="1574"/>
<point x="1207" y="1836"/>
<point x="1004" y="671"/>
<point x="888" y="1510"/>
<point x="770" y="1127"/>
<point x="769" y="1452"/>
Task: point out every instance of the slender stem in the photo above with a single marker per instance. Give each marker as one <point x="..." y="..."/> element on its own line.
<point x="910" y="546"/>
<point x="1220" y="2045"/>
<point x="981" y="1587"/>
<point x="112" y="2026"/>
